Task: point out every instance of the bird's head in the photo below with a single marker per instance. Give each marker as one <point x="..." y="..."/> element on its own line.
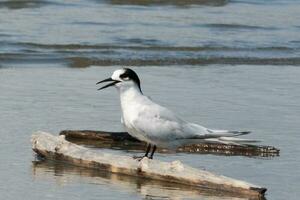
<point x="122" y="78"/>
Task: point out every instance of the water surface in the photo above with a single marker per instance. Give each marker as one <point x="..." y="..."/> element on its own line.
<point x="223" y="64"/>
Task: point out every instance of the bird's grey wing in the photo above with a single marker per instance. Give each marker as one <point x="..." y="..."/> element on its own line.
<point x="159" y="123"/>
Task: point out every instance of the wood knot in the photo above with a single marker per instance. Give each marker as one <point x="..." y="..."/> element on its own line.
<point x="177" y="166"/>
<point x="57" y="149"/>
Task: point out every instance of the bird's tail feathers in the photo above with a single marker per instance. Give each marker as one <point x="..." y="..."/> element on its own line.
<point x="225" y="133"/>
<point x="220" y="136"/>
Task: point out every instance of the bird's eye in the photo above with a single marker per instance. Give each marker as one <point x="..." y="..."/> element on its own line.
<point x="124" y="77"/>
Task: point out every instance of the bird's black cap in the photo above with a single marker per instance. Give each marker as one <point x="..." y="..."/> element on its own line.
<point x="129" y="73"/>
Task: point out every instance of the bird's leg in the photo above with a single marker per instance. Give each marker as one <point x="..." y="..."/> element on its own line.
<point x="146" y="154"/>
<point x="152" y="153"/>
<point x="147" y="151"/>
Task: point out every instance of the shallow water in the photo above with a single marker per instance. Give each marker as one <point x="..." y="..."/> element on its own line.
<point x="216" y="67"/>
<point x="196" y="32"/>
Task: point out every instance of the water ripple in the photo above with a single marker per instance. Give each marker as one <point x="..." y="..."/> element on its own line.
<point x="86" y="62"/>
<point x="138" y="52"/>
<point x="235" y="26"/>
<point x="169" y="2"/>
<point x="21" y="4"/>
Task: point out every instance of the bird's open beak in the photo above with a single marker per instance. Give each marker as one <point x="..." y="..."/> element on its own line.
<point x="108" y="85"/>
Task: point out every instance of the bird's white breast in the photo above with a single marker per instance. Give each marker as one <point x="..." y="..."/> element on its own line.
<point x="133" y="103"/>
<point x="150" y="122"/>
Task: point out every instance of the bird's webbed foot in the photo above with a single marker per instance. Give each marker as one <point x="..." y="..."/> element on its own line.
<point x="139" y="158"/>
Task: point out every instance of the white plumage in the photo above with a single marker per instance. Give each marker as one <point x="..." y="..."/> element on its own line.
<point x="157" y="125"/>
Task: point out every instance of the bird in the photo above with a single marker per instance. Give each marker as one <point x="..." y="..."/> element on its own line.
<point x="156" y="125"/>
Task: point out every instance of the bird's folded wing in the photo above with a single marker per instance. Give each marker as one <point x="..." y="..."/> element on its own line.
<point x="159" y="123"/>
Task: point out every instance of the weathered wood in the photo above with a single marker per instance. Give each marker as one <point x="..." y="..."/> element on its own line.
<point x="123" y="140"/>
<point x="57" y="148"/>
<point x="46" y="169"/>
<point x="98" y="135"/>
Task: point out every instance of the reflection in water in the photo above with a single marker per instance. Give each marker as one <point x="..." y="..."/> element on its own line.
<point x="170" y="2"/>
<point x="215" y="149"/>
<point x="150" y="189"/>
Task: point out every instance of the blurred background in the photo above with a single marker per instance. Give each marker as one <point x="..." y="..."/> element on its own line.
<point x="225" y="64"/>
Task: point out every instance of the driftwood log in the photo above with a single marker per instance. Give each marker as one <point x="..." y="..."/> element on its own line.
<point x="149" y="189"/>
<point x="57" y="148"/>
<point x="122" y="140"/>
